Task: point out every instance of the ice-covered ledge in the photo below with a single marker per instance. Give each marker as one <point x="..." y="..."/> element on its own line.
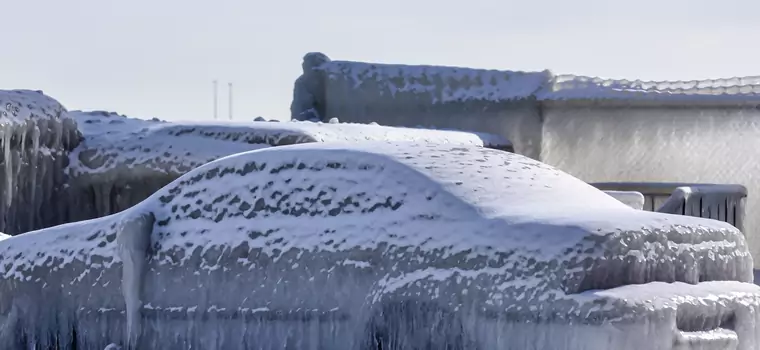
<point x="429" y="84"/>
<point x="325" y="82"/>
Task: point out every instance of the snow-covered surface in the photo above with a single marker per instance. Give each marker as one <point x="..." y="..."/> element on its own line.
<point x="456" y="84"/>
<point x="121" y="160"/>
<point x="35" y="136"/>
<point x="495" y="249"/>
<point x="569" y="87"/>
<point x="112" y="140"/>
<point x="632" y="199"/>
<point x="442" y="84"/>
<point x="22" y="105"/>
<point x="474" y="84"/>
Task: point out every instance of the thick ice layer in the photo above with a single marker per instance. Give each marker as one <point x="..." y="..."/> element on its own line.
<point x="124" y="160"/>
<point x="35" y="137"/>
<point x="330" y="246"/>
<point x="632" y="199"/>
<point x="600" y="130"/>
<point x="441" y="85"/>
<point x="436" y="85"/>
<point x="569" y="87"/>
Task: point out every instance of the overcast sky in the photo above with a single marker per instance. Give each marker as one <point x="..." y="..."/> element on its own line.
<point x="157" y="58"/>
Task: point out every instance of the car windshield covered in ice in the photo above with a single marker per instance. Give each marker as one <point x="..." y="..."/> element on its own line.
<point x="380" y="246"/>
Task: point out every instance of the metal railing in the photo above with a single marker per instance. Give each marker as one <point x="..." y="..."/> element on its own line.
<point x="724" y="202"/>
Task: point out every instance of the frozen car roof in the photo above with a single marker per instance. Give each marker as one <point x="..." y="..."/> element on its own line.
<point x="115" y="141"/>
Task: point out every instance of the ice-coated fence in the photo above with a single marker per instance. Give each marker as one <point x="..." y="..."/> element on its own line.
<point x="713" y="201"/>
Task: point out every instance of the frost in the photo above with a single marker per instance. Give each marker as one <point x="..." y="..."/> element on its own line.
<point x="60" y="166"/>
<point x="124" y="160"/>
<point x="36" y="135"/>
<point x="632" y="199"/>
<point x="341" y="246"/>
<point x="569" y="87"/>
<point x="439" y="85"/>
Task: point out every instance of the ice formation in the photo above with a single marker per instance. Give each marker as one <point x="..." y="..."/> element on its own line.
<point x="441" y="85"/>
<point x="733" y="90"/>
<point x="122" y="160"/>
<point x="59" y="166"/>
<point x="36" y="135"/>
<point x="380" y="245"/>
<point x="599" y="130"/>
<point x="632" y="199"/>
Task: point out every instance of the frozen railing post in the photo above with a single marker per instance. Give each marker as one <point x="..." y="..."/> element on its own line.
<point x="724" y="202"/>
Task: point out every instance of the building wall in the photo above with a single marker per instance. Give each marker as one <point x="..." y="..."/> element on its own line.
<point x="517" y="121"/>
<point x="481" y="100"/>
<point x="658" y="144"/>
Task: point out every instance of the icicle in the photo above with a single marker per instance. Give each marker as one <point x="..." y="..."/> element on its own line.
<point x="34" y="164"/>
<point x="133" y="242"/>
<point x="7" y="135"/>
<point x="24" y="181"/>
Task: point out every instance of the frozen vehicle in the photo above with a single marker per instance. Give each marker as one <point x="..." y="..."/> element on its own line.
<point x="121" y="160"/>
<point x="380" y="246"/>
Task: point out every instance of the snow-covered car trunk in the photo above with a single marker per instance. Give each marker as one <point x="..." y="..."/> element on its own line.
<point x="380" y="246"/>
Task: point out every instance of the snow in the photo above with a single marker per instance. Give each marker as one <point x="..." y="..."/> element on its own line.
<point x="455" y="84"/>
<point x="442" y="84"/>
<point x="112" y="140"/>
<point x="569" y="87"/>
<point x="632" y="199"/>
<point x="35" y="136"/>
<point x="122" y="160"/>
<point x="18" y="106"/>
<point x="318" y="245"/>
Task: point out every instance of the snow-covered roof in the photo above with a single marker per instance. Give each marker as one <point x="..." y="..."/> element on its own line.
<point x="112" y="140"/>
<point x="442" y="84"/>
<point x="452" y="84"/>
<point x="572" y="87"/>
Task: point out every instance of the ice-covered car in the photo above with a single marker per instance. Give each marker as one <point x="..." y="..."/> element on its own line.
<point x="380" y="246"/>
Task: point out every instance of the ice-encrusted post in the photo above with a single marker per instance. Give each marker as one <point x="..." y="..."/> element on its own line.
<point x="134" y="241"/>
<point x="309" y="89"/>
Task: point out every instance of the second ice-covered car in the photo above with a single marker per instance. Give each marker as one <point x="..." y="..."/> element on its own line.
<point x="380" y="246"/>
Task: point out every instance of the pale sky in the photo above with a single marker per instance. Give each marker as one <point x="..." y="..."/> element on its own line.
<point x="157" y="58"/>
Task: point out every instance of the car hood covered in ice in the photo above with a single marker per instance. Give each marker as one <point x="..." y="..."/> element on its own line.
<point x="505" y="242"/>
